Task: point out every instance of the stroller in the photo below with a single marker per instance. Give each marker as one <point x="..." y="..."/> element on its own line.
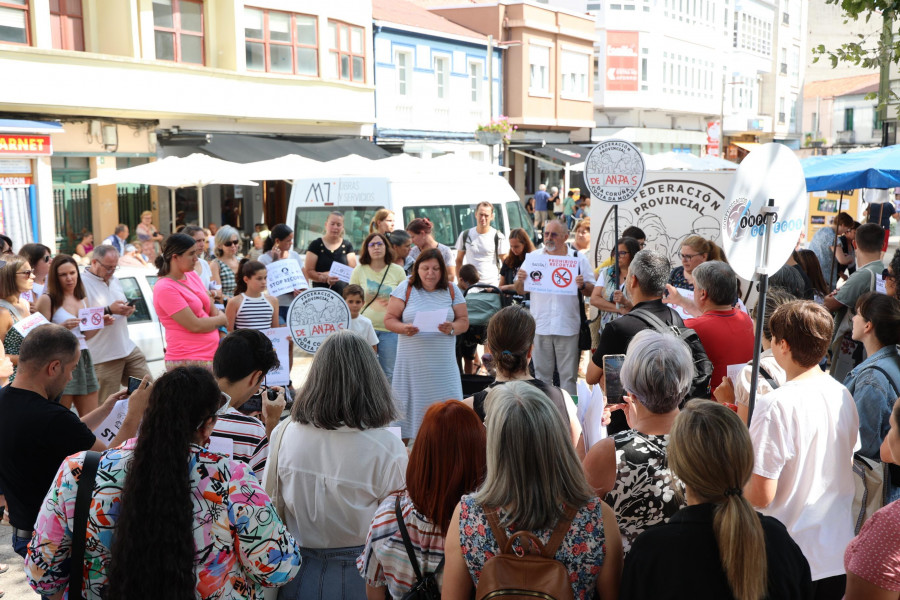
<point x="481" y="307"/>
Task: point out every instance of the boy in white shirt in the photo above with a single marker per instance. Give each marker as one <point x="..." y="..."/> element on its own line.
<point x="804" y="434"/>
<point x="354" y="297"/>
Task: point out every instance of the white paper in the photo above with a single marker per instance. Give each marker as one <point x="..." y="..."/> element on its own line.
<point x="734" y="373"/>
<point x="398" y="431"/>
<point x="284" y="276"/>
<point x="221" y="445"/>
<point x="428" y="320"/>
<point x="597" y="398"/>
<point x="109" y="428"/>
<point x="879" y="285"/>
<point x="279" y="337"/>
<point x="341" y="271"/>
<point x="681" y="312"/>
<point x="584" y="400"/>
<point x="91" y="318"/>
<point x="594" y="431"/>
<point x="25" y="326"/>
<point x="550" y="274"/>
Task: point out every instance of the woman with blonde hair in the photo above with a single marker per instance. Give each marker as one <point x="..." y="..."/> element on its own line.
<point x="718" y="546"/>
<point x="382" y="222"/>
<point x="695" y="250"/>
<point x="148" y="236"/>
<point x="534" y="483"/>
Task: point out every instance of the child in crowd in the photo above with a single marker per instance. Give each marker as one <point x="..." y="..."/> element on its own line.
<point x="804" y="434"/>
<point x="468" y="276"/>
<point x="355" y="297"/>
<point x="465" y="349"/>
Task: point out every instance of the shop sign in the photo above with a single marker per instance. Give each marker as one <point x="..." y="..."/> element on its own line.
<point x="14" y="180"/>
<point x="622" y="61"/>
<point x="25" y="145"/>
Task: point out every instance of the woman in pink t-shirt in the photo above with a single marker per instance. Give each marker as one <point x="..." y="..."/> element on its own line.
<point x="183" y="306"/>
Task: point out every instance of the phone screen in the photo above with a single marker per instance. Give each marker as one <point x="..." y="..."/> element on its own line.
<point x="133" y="384"/>
<point x="612" y="367"/>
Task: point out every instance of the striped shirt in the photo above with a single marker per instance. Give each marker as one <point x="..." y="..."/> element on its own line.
<point x="248" y="435"/>
<point x="254" y="313"/>
<point x="384" y="560"/>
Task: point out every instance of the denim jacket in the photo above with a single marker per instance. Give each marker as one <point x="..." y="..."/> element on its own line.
<point x="874" y="396"/>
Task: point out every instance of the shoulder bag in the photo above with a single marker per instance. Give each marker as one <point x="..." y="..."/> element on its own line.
<point x="79" y="526"/>
<point x="425" y="588"/>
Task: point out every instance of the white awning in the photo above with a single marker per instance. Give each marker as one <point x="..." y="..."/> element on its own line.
<point x="650" y="135"/>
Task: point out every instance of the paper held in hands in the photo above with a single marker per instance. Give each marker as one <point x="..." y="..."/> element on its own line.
<point x="341" y="271"/>
<point x="550" y="274"/>
<point x="91" y="318"/>
<point x="279" y="337"/>
<point x="734" y="373"/>
<point x="284" y="276"/>
<point x="428" y="320"/>
<point x="25" y="326"/>
<point x="109" y="428"/>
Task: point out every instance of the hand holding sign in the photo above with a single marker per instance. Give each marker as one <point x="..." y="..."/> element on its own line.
<point x="341" y="271"/>
<point x="91" y="318"/>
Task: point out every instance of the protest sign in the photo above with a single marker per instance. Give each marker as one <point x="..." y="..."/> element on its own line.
<point x="221" y="445"/>
<point x="315" y="314"/>
<point x="550" y="274"/>
<point x="25" y="326"/>
<point x="282" y="374"/>
<point x="341" y="271"/>
<point x="284" y="276"/>
<point x="91" y="318"/>
<point x="109" y="428"/>
<point x="614" y="171"/>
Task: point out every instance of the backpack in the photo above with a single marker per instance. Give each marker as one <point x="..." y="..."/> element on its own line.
<point x="468" y="242"/>
<point x="530" y="575"/>
<point x="425" y="588"/>
<point x="703" y="367"/>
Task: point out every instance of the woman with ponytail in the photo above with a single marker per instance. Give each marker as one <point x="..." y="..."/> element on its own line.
<point x="718" y="546"/>
<point x="280" y="246"/>
<point x="168" y="518"/>
<point x="695" y="250"/>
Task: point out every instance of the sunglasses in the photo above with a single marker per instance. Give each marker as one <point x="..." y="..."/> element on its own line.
<point x="231" y="243"/>
<point x="27" y="273"/>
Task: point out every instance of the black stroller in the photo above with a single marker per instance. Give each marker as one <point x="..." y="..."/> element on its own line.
<point x="481" y="307"/>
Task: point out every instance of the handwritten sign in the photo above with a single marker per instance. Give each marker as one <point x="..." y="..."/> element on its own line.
<point x="109" y="428"/>
<point x="282" y="374"/>
<point x="314" y="315"/>
<point x="341" y="271"/>
<point x="26" y="325"/>
<point x="550" y="274"/>
<point x="284" y="276"/>
<point x="428" y="320"/>
<point x="91" y="318"/>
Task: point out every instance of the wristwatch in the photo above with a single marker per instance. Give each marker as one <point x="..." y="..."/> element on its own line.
<point x="451" y="330"/>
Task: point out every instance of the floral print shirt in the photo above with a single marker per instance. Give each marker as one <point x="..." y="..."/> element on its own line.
<point x="582" y="550"/>
<point x="678" y="280"/>
<point x="646" y="492"/>
<point x="241" y="543"/>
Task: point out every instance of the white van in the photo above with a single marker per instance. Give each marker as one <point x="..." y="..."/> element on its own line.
<point x="447" y="202"/>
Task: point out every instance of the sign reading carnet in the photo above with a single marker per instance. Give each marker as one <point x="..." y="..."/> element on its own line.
<point x="25" y="145"/>
<point x="614" y="171"/>
<point x="314" y="315"/>
<point x="770" y="171"/>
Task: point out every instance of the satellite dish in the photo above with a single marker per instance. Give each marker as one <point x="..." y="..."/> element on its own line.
<point x="772" y="171"/>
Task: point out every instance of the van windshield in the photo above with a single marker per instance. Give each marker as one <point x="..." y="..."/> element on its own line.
<point x="519" y="218"/>
<point x="449" y="221"/>
<point x="309" y="224"/>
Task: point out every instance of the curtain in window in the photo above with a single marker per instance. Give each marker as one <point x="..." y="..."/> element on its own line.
<point x="16" y="215"/>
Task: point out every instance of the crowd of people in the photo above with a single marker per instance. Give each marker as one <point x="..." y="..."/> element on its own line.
<point x="380" y="475"/>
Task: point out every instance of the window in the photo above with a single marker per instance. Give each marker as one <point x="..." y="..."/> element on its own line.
<point x="848" y="119"/>
<point x="403" y="60"/>
<point x="280" y="42"/>
<point x="347" y="52"/>
<point x="876" y="120"/>
<point x="14" y="22"/>
<point x="441" y="76"/>
<point x="539" y="59"/>
<point x="574" y="67"/>
<point x="476" y="68"/>
<point x="781" y="115"/>
<point x="66" y="24"/>
<point x="178" y="30"/>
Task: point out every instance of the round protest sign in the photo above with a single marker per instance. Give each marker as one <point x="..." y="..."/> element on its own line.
<point x="614" y="171"/>
<point x="770" y="171"/>
<point x="314" y="315"/>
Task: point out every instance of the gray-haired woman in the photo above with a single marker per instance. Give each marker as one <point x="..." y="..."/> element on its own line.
<point x="534" y="482"/>
<point x="630" y="469"/>
<point x="336" y="464"/>
<point x="225" y="264"/>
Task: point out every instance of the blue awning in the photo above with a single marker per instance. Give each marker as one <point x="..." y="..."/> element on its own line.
<point x="29" y="127"/>
<point x="875" y="169"/>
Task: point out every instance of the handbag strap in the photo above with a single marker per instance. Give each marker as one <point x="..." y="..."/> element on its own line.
<point x="272" y="485"/>
<point x="410" y="551"/>
<point x="552" y="545"/>
<point x="79" y="528"/>
<point x="387" y="268"/>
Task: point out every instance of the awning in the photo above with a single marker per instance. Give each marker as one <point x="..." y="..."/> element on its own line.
<point x="651" y="135"/>
<point x="251" y="148"/>
<point x="564" y="153"/>
<point x="748" y="146"/>
<point x="29" y="127"/>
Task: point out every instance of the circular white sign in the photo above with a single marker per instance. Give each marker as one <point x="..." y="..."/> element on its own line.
<point x="770" y="171"/>
<point x="314" y="315"/>
<point x="614" y="171"/>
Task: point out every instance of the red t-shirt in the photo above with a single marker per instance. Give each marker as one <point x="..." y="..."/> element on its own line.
<point x="727" y="337"/>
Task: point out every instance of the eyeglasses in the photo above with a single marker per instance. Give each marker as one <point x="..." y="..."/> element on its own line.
<point x="622" y="253"/>
<point x="689" y="256"/>
<point x="886" y="274"/>
<point x="108" y="268"/>
<point x="551" y="234"/>
<point x="376" y="244"/>
<point x="26" y="273"/>
<point x="231" y="243"/>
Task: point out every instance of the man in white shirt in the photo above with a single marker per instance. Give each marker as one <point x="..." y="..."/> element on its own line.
<point x="482" y="246"/>
<point x="116" y="358"/>
<point x="558" y="317"/>
<point x="804" y="434"/>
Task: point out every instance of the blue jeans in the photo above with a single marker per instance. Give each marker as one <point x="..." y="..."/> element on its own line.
<point x="326" y="574"/>
<point x="387" y="352"/>
<point x="20" y="545"/>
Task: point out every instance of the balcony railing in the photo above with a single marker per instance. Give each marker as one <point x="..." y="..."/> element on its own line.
<point x="846" y="137"/>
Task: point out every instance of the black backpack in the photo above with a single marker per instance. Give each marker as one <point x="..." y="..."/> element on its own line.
<point x="425" y="588"/>
<point x="703" y="367"/>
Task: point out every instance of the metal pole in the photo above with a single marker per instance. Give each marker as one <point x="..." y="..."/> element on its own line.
<point x="762" y="269"/>
<point x="616" y="247"/>
<point x="837" y="211"/>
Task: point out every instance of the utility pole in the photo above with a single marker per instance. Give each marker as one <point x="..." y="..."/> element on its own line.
<point x="884" y="82"/>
